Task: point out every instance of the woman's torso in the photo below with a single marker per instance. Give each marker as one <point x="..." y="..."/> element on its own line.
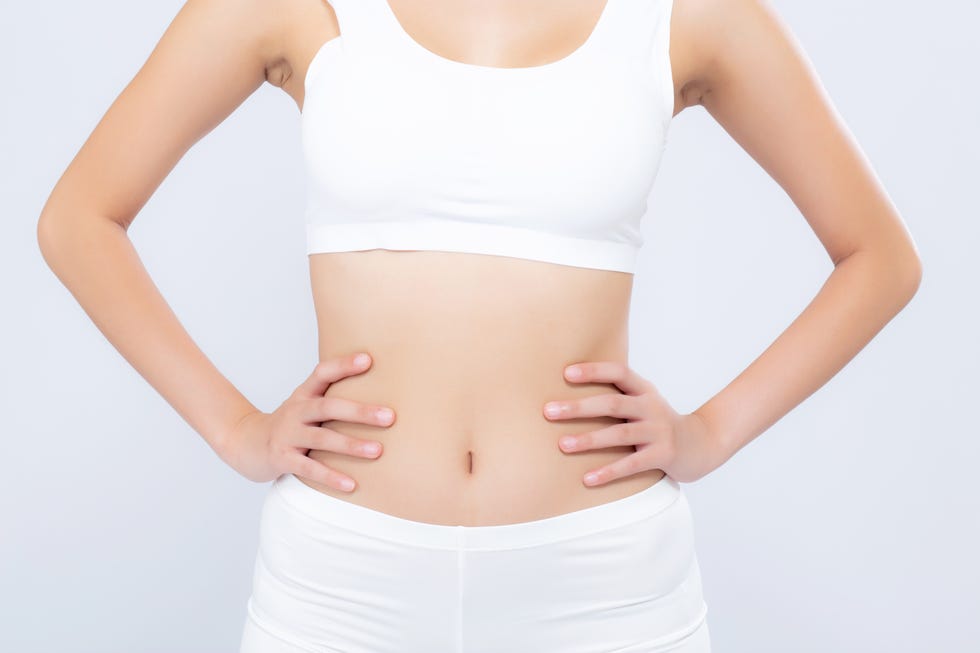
<point x="467" y="348"/>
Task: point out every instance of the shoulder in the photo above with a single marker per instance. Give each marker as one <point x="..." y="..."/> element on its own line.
<point x="263" y="31"/>
<point x="295" y="30"/>
<point x="712" y="38"/>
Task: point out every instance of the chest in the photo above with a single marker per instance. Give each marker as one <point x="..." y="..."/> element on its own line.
<point x="588" y="137"/>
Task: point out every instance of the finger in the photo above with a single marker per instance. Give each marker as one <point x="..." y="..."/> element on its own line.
<point x="323" y="409"/>
<point x="306" y="467"/>
<point x="612" y="436"/>
<point x="330" y="371"/>
<point x="628" y="465"/>
<point x="605" y="405"/>
<point x="324" y="439"/>
<point x="614" y="372"/>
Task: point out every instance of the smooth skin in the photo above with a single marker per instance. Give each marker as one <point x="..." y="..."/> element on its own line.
<point x="758" y="84"/>
<point x="735" y="58"/>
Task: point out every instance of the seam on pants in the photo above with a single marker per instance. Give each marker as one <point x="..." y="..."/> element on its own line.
<point x="676" y="641"/>
<point x="275" y="633"/>
<point x="459" y="589"/>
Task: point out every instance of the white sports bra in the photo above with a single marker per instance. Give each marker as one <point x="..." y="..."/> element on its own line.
<point x="408" y="150"/>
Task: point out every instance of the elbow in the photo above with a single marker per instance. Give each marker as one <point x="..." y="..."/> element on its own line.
<point x="905" y="272"/>
<point x="907" y="267"/>
<point x="58" y="237"/>
<point x="59" y="233"/>
<point x="53" y="239"/>
<point x="913" y="275"/>
<point x="46" y="234"/>
<point x="896" y="265"/>
<point x="902" y="274"/>
<point x="897" y="272"/>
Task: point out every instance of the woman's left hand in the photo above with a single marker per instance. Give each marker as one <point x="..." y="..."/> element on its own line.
<point x="679" y="444"/>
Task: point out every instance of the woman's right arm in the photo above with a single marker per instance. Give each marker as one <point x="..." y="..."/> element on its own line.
<point x="212" y="56"/>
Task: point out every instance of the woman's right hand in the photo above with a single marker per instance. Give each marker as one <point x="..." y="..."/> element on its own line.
<point x="264" y="446"/>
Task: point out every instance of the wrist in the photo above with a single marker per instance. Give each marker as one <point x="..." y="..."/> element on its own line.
<point x="720" y="444"/>
<point x="223" y="443"/>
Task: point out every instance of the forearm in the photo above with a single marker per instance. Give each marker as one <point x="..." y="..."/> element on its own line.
<point x="862" y="294"/>
<point x="97" y="262"/>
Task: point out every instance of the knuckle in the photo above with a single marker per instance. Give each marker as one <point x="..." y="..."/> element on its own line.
<point x="338" y="480"/>
<point x="328" y="405"/>
<point x="352" y="445"/>
<point x="367" y="413"/>
<point x="324" y="473"/>
<point x="633" y="431"/>
<point x="633" y="465"/>
<point x="624" y="432"/>
<point x="329" y="439"/>
<point x="329" y="476"/>
<point x="317" y="471"/>
<point x="319" y="437"/>
<point x="616" y="402"/>
<point x="306" y="467"/>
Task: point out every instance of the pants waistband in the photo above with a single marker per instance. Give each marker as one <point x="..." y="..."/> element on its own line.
<point x="374" y="523"/>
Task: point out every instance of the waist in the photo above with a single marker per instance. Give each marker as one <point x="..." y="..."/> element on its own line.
<point x="473" y="342"/>
<point x="467" y="350"/>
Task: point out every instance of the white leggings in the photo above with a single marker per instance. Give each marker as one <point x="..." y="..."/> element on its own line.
<point x="335" y="577"/>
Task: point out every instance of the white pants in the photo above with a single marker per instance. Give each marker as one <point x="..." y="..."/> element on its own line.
<point x="335" y="577"/>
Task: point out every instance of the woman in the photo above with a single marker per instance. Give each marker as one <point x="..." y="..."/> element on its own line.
<point x="477" y="174"/>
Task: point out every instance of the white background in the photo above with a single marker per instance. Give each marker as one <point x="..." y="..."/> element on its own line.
<point x="850" y="525"/>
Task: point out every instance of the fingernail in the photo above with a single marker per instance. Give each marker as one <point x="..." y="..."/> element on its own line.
<point x="591" y="478"/>
<point x="372" y="448"/>
<point x="573" y="372"/>
<point x="347" y="484"/>
<point x="552" y="410"/>
<point x="385" y="414"/>
<point x="567" y="442"/>
<point x="361" y="359"/>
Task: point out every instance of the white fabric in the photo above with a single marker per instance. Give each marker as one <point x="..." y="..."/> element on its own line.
<point x="336" y="577"/>
<point x="407" y="149"/>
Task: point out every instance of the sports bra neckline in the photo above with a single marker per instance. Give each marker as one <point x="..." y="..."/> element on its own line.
<point x="408" y="150"/>
<point x="413" y="45"/>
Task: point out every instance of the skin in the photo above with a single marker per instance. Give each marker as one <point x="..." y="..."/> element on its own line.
<point x="470" y="439"/>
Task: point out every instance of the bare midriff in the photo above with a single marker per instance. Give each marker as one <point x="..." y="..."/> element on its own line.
<point x="466" y="350"/>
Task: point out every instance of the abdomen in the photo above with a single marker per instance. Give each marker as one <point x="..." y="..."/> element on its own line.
<point x="466" y="350"/>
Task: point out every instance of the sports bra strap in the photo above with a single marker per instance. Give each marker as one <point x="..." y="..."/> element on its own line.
<point x="363" y="27"/>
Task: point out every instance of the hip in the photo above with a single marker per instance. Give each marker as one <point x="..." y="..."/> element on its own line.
<point x="335" y="577"/>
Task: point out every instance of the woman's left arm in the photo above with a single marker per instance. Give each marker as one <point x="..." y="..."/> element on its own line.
<point x="762" y="89"/>
<point x="754" y="78"/>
